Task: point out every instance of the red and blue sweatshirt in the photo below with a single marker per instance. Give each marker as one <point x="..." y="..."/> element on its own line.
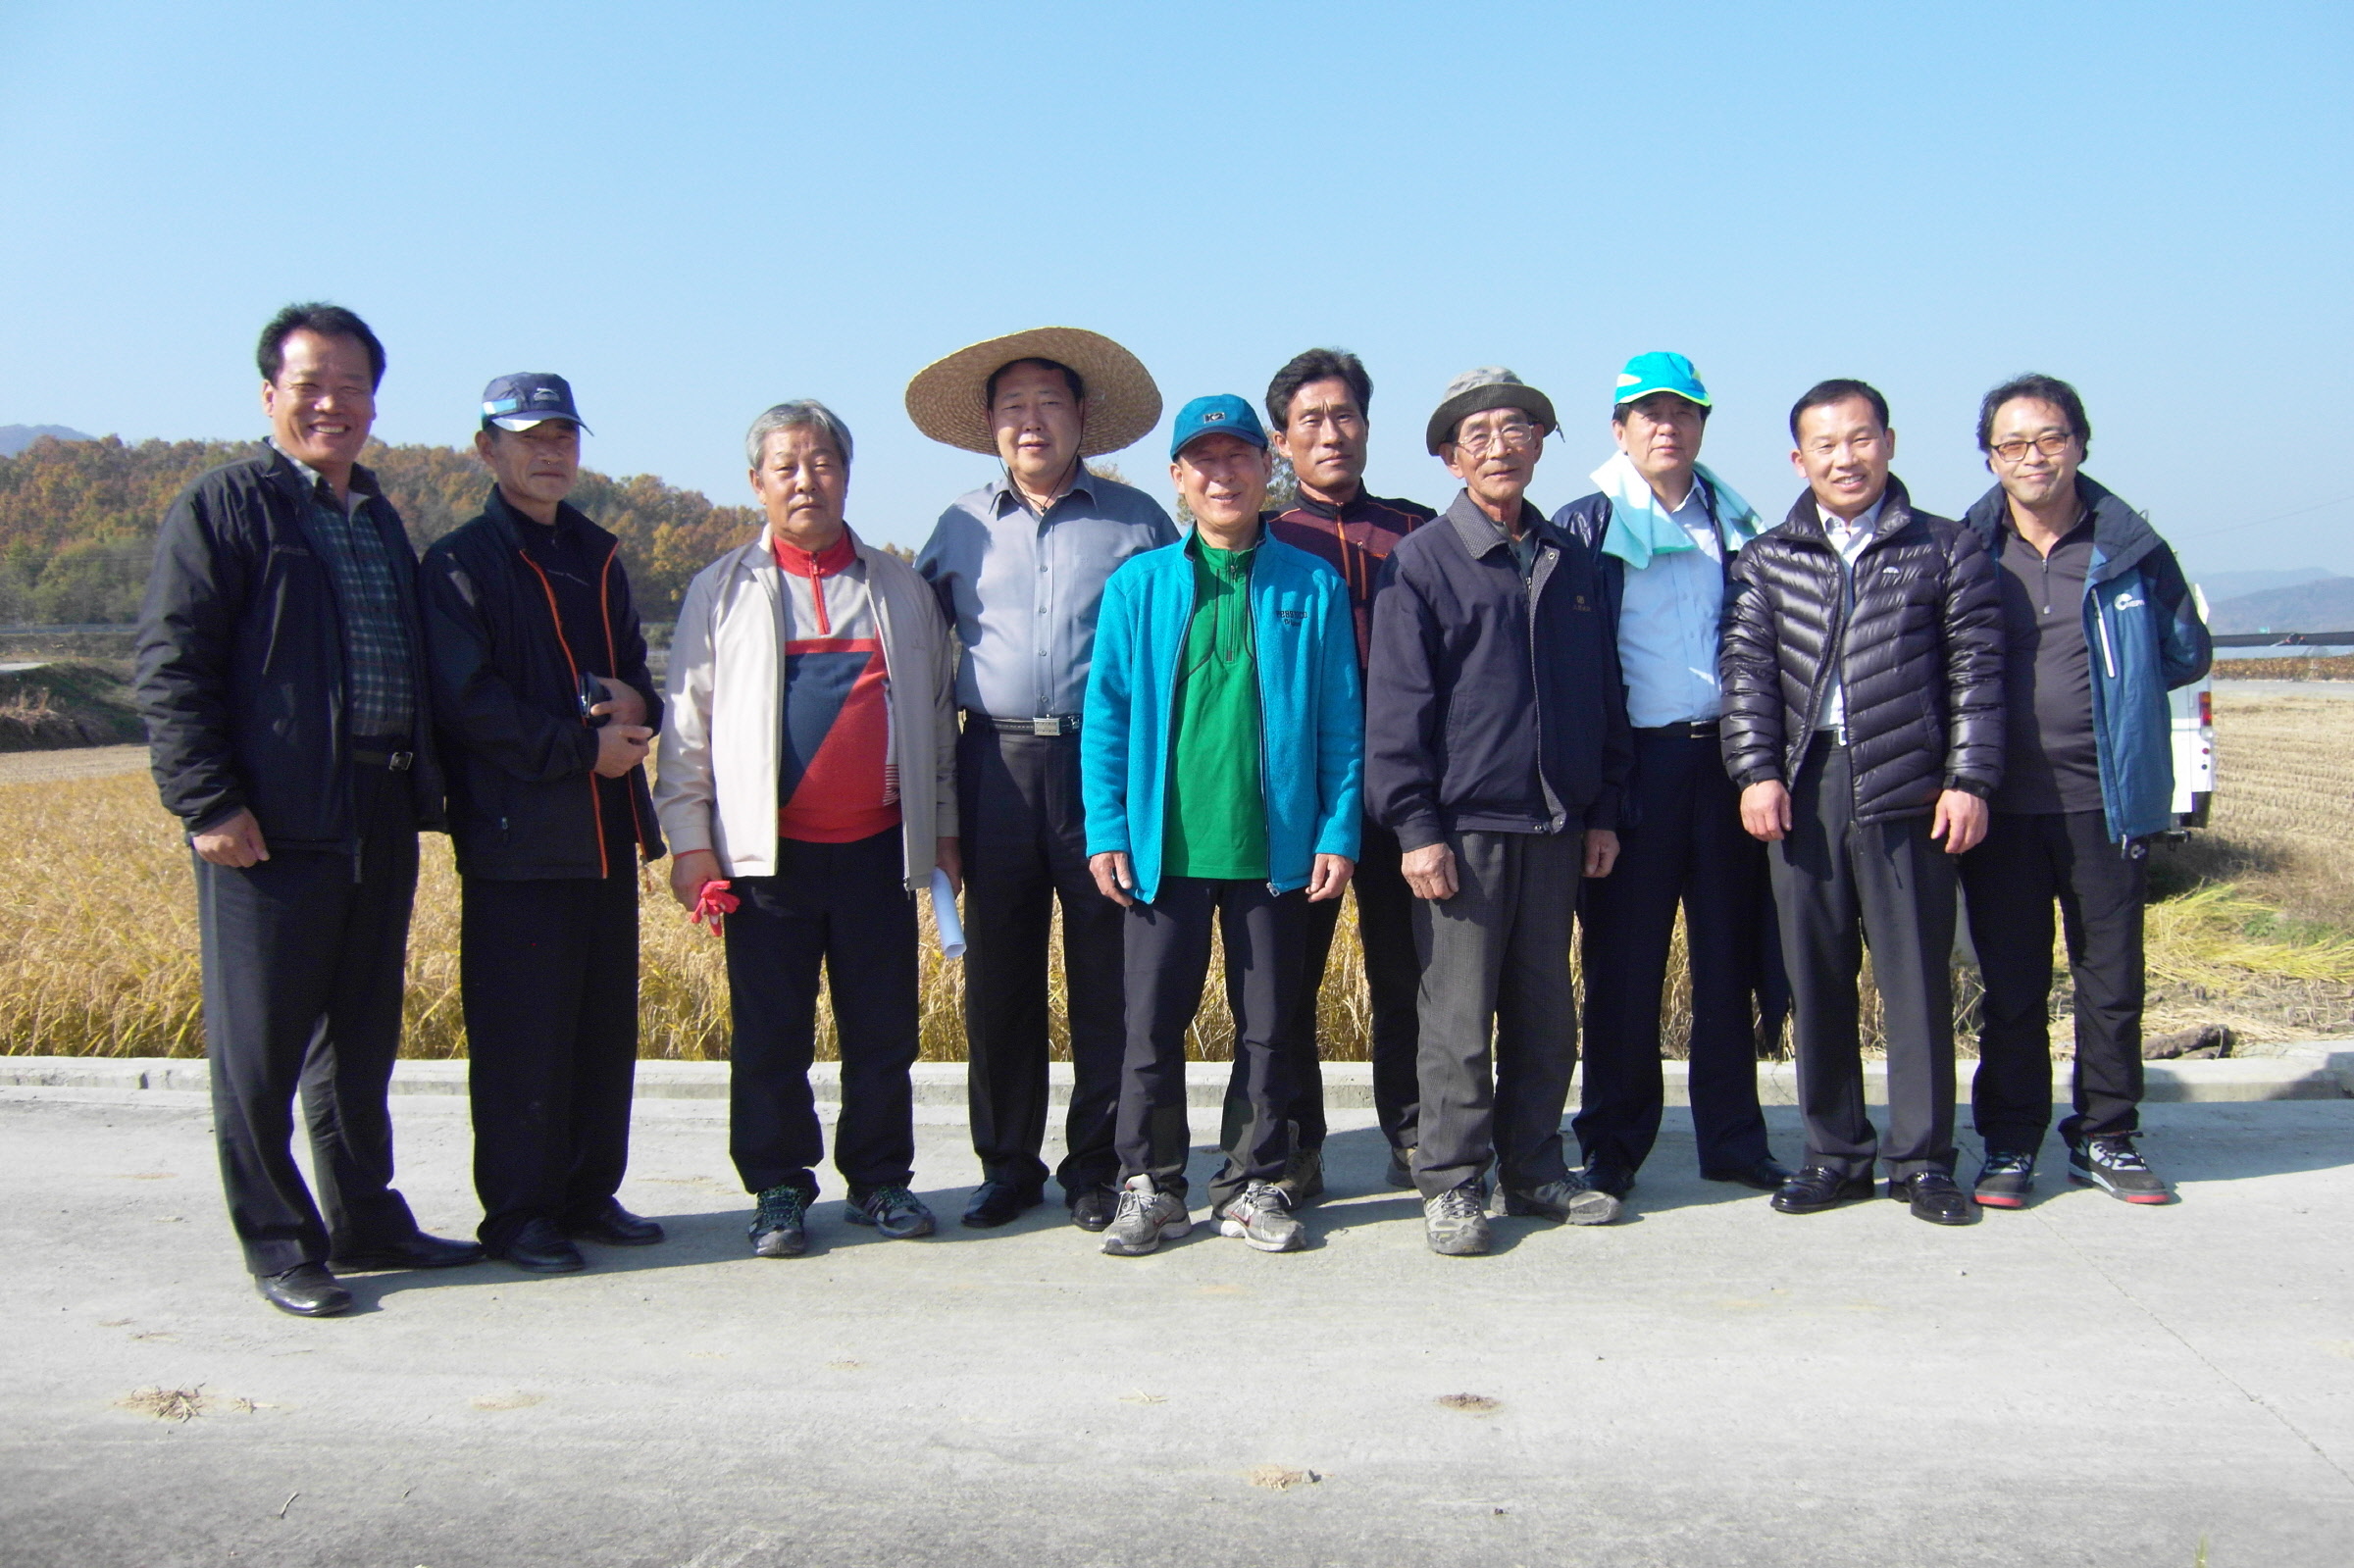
<point x="835" y="780"/>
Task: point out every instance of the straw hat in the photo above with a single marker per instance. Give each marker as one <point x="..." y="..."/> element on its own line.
<point x="949" y="398"/>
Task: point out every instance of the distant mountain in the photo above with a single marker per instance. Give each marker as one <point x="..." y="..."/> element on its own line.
<point x="14" y="438"/>
<point x="2221" y="586"/>
<point x="2327" y="605"/>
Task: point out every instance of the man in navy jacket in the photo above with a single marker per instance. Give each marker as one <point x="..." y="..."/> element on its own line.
<point x="2098" y="625"/>
<point x="527" y="615"/>
<point x="1496" y="747"/>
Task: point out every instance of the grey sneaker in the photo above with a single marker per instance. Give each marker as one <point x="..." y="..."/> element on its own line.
<point x="1456" y="1222"/>
<point x="1147" y="1219"/>
<point x="2116" y="1168"/>
<point x="1569" y="1200"/>
<point x="1260" y="1215"/>
<point x="1302" y="1178"/>
<point x="781" y="1226"/>
<point x="893" y="1210"/>
<point x="1401" y="1174"/>
<point x="2005" y="1180"/>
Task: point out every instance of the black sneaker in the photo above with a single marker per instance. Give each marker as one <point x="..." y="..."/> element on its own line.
<point x="1302" y="1178"/>
<point x="781" y="1226"/>
<point x="2006" y="1178"/>
<point x="2116" y="1168"/>
<point x="893" y="1210"/>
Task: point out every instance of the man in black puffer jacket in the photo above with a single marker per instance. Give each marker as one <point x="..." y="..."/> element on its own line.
<point x="1862" y="676"/>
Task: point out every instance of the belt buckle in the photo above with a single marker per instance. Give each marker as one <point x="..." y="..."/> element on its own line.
<point x="1045" y="723"/>
<point x="398" y="761"/>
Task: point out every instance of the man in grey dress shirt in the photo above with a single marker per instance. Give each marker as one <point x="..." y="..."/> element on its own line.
<point x="1019" y="566"/>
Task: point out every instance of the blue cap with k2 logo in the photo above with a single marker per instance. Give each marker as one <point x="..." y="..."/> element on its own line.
<point x="1222" y="414"/>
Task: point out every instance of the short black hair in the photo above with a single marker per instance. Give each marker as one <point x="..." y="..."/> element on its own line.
<point x="1838" y="389"/>
<point x="1070" y="377"/>
<point x="1619" y="410"/>
<point x="1318" y="365"/>
<point x="327" y="321"/>
<point x="2044" y="389"/>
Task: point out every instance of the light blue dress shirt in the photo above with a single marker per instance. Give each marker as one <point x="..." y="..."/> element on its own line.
<point x="1022" y="590"/>
<point x="1849" y="539"/>
<point x="1668" y="616"/>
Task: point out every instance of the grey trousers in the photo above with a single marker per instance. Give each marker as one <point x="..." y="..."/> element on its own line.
<point x="1838" y="884"/>
<point x="1499" y="1020"/>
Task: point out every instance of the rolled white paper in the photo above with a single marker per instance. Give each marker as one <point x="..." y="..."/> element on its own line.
<point x="944" y="915"/>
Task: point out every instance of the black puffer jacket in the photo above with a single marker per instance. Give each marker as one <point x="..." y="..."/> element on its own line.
<point x="1920" y="655"/>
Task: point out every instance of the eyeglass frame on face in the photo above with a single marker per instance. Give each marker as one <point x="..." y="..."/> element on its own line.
<point x="1515" y="436"/>
<point x="2041" y="444"/>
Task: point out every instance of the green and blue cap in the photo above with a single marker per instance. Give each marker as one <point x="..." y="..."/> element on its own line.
<point x="1221" y="415"/>
<point x="1646" y="374"/>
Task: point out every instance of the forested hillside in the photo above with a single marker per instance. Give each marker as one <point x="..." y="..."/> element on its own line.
<point x="77" y="520"/>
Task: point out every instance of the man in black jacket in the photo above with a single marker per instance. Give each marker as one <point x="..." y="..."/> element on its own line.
<point x="1863" y="677"/>
<point x="282" y="675"/>
<point x="546" y="706"/>
<point x="1496" y="747"/>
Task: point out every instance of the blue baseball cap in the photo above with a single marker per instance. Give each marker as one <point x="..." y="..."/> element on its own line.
<point x="520" y="401"/>
<point x="1646" y="374"/>
<point x="1221" y="415"/>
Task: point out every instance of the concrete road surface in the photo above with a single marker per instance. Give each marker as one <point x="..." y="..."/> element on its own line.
<point x="1708" y="1384"/>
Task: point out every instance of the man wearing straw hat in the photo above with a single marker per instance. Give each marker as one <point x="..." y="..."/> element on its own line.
<point x="1019" y="566"/>
<point x="1496" y="749"/>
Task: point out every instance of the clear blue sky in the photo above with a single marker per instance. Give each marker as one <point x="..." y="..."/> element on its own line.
<point x="696" y="211"/>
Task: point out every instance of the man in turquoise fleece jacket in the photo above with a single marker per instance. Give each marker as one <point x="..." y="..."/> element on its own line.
<point x="1221" y="755"/>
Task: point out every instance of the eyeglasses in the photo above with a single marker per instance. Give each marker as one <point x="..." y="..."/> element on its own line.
<point x="2048" y="443"/>
<point x="1512" y="434"/>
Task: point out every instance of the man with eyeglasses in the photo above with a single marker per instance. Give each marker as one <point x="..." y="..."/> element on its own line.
<point x="1496" y="748"/>
<point x="2087" y="777"/>
<point x="1863" y="678"/>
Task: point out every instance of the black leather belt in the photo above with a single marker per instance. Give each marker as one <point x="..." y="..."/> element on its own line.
<point x="1690" y="729"/>
<point x="1051" y="724"/>
<point x="391" y="761"/>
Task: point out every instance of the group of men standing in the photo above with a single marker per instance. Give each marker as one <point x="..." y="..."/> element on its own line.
<point x="1502" y="729"/>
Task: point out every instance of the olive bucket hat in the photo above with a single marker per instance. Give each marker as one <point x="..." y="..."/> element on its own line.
<point x="1489" y="387"/>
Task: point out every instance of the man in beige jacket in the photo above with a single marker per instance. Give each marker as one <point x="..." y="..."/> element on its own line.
<point x="808" y="787"/>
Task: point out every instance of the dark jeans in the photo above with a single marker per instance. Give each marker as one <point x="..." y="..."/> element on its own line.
<point x="550" y="976"/>
<point x="1167" y="964"/>
<point x="1025" y="847"/>
<point x="847" y="906"/>
<point x="1838" y="883"/>
<point x="303" y="957"/>
<point x="2010" y="881"/>
<point x="1688" y="848"/>
<point x="1498" y="1030"/>
<point x="1385" y="924"/>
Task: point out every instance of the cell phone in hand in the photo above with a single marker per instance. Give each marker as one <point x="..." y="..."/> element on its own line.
<point x="593" y="692"/>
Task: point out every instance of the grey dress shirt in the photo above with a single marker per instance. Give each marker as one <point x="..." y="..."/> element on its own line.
<point x="1022" y="590"/>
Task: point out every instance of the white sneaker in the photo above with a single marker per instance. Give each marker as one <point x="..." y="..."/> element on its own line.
<point x="1259" y="1216"/>
<point x="1147" y="1219"/>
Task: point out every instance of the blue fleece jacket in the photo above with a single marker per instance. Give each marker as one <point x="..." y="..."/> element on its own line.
<point x="2143" y="628"/>
<point x="1311" y="718"/>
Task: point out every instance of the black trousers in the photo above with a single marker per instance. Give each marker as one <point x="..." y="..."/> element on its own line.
<point x="2010" y="882"/>
<point x="1167" y="963"/>
<point x="848" y="907"/>
<point x="550" y="976"/>
<point x="1838" y="883"/>
<point x="1385" y="926"/>
<point x="303" y="956"/>
<point x="1025" y="847"/>
<point x="1690" y="849"/>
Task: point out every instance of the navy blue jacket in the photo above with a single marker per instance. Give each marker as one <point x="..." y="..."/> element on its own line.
<point x="240" y="660"/>
<point x="2145" y="636"/>
<point x="525" y="803"/>
<point x="1490" y="707"/>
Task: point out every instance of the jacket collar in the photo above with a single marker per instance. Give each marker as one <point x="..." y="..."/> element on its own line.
<point x="501" y="512"/>
<point x="300" y="480"/>
<point x="1002" y="494"/>
<point x="2120" y="537"/>
<point x="1896" y="510"/>
<point x="1481" y="534"/>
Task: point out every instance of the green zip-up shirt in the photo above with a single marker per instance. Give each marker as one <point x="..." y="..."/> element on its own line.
<point x="1218" y="813"/>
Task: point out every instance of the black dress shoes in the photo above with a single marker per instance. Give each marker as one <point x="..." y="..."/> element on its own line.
<point x="995" y="1203"/>
<point x="1935" y="1196"/>
<point x="419" y="1251"/>
<point x="1604" y="1177"/>
<point x="1767" y="1175"/>
<point x="1818" y="1187"/>
<point x="540" y="1248"/>
<point x="1092" y="1209"/>
<point x="615" y="1226"/>
<point x="306" y="1289"/>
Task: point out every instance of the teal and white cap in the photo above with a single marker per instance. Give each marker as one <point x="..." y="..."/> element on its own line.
<point x="1646" y="374"/>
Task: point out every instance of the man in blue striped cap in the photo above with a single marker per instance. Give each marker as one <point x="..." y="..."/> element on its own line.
<point x="1669" y="528"/>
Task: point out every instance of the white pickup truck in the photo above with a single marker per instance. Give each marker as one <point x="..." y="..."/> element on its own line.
<point x="2194" y="741"/>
